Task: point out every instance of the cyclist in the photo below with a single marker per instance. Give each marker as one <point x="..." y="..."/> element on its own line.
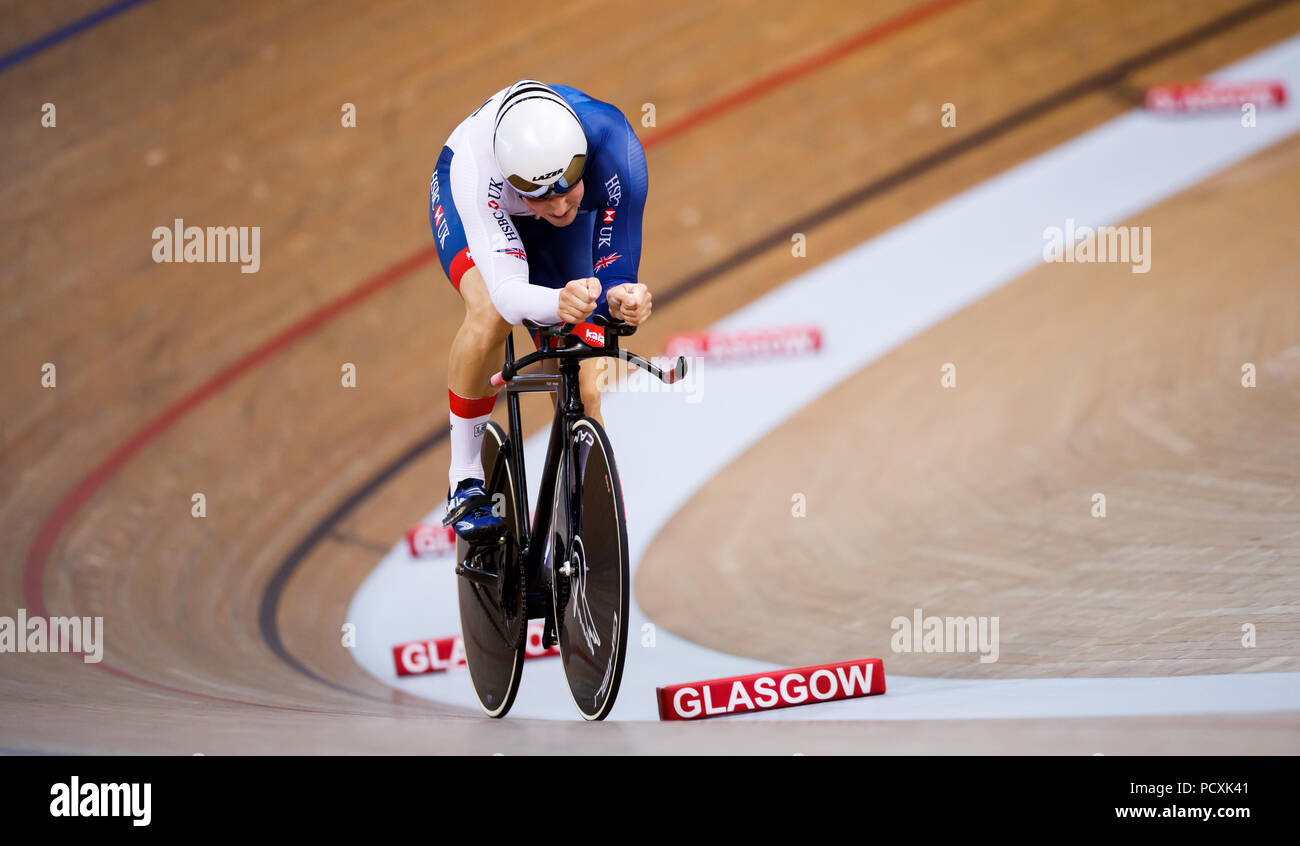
<point x="536" y="206"/>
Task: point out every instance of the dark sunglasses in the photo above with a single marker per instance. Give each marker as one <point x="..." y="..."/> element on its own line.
<point x="571" y="177"/>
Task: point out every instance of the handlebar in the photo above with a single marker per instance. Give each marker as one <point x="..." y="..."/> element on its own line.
<point x="578" y="345"/>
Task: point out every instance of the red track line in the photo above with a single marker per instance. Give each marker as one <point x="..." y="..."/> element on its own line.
<point x="33" y="572"/>
<point x="39" y="552"/>
<point x="803" y="67"/>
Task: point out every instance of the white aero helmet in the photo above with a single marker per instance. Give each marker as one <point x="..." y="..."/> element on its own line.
<point x="538" y="140"/>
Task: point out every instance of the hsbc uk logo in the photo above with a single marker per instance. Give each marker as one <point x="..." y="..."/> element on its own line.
<point x="494" y="203"/>
<point x="614" y="191"/>
<point x="440" y="227"/>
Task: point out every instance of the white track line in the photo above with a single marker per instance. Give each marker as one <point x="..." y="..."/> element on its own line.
<point x="868" y="301"/>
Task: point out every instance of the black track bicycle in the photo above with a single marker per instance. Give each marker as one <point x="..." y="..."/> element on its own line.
<point x="569" y="567"/>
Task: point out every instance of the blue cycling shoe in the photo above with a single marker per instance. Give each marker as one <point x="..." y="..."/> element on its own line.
<point x="469" y="513"/>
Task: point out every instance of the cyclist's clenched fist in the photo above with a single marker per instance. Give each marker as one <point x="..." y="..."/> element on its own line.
<point x="578" y="300"/>
<point x="629" y="302"/>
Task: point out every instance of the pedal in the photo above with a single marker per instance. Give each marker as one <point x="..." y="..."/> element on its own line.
<point x="548" y="633"/>
<point x="484" y="545"/>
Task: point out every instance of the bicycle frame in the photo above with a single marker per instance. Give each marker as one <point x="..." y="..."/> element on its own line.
<point x="568" y="409"/>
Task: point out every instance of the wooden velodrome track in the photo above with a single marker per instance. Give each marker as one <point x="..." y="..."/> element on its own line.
<point x="223" y="632"/>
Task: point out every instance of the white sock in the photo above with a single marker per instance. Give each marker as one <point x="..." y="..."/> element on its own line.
<point x="469" y="418"/>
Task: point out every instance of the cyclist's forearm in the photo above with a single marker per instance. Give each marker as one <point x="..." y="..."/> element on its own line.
<point x="516" y="301"/>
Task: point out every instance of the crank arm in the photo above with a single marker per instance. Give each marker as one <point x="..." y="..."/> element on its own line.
<point x="474" y="574"/>
<point x="477" y="574"/>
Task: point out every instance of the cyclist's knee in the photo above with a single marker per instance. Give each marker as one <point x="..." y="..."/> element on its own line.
<point x="485" y="330"/>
